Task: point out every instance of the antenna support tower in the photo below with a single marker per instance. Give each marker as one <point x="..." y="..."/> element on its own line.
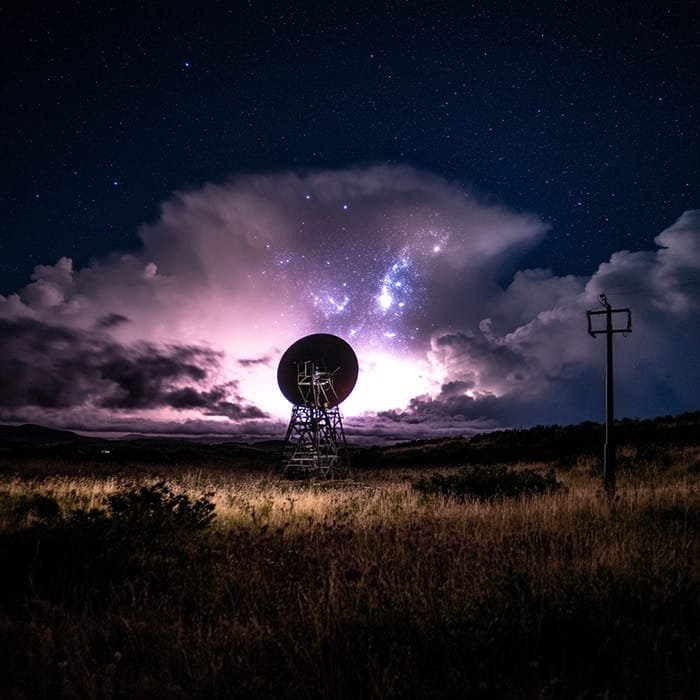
<point x="315" y="445"/>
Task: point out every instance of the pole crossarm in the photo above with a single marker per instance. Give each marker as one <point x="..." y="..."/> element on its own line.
<point x="600" y="312"/>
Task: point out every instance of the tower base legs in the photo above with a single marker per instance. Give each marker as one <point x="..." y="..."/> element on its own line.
<point x="314" y="446"/>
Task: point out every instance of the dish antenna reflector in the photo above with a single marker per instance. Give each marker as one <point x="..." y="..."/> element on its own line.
<point x="316" y="373"/>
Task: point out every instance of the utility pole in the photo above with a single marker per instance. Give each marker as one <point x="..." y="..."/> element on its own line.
<point x="609" y="454"/>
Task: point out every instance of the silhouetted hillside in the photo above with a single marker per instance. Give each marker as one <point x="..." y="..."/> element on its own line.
<point x="35" y="434"/>
<point x="19" y="443"/>
<point x="559" y="444"/>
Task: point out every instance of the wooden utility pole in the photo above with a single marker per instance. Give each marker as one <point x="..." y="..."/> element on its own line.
<point x="609" y="453"/>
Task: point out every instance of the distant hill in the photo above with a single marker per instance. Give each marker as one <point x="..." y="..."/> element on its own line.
<point x="35" y="434"/>
<point x="24" y="442"/>
<point x="561" y="445"/>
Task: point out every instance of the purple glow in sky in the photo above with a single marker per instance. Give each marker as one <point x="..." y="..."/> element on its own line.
<point x="421" y="276"/>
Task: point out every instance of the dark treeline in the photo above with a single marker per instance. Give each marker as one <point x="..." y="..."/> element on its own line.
<point x="562" y="445"/>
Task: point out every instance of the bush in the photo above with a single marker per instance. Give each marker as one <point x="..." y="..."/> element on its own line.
<point x="144" y="531"/>
<point x="483" y="483"/>
<point x="155" y="511"/>
<point x="147" y="535"/>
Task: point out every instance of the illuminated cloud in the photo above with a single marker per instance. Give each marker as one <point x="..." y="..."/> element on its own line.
<point x="530" y="360"/>
<point x="184" y="334"/>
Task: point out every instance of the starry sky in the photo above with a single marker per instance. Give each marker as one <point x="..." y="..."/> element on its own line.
<point x="449" y="186"/>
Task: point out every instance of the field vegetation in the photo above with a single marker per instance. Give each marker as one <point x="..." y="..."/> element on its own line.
<point x="205" y="581"/>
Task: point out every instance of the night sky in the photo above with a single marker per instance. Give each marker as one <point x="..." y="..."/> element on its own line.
<point x="449" y="186"/>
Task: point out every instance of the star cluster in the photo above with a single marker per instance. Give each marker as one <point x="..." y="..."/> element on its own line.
<point x="368" y="293"/>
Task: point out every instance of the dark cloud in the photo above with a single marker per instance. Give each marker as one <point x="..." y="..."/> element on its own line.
<point x="251" y="362"/>
<point x="216" y="402"/>
<point x="482" y="364"/>
<point x="238" y="410"/>
<point x="52" y="367"/>
<point x="187" y="397"/>
<point x="111" y="320"/>
<point x="141" y="375"/>
<point x="561" y="404"/>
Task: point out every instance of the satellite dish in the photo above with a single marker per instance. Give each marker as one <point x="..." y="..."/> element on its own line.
<point x="318" y="353"/>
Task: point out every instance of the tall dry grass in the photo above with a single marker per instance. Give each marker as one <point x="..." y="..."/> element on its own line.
<point x="362" y="589"/>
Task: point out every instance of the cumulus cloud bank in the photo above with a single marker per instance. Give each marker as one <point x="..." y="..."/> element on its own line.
<point x="529" y="360"/>
<point x="184" y="334"/>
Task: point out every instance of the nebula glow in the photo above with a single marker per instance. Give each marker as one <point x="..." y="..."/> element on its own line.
<point x="184" y="334"/>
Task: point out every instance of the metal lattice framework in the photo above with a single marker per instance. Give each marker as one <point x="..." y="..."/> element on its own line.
<point x="315" y="445"/>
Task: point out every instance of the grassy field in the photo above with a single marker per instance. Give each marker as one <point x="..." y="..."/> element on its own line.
<point x="213" y="583"/>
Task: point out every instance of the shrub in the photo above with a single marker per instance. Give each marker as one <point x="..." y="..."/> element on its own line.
<point x="144" y="530"/>
<point x="155" y="511"/>
<point x="483" y="483"/>
<point x="147" y="535"/>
